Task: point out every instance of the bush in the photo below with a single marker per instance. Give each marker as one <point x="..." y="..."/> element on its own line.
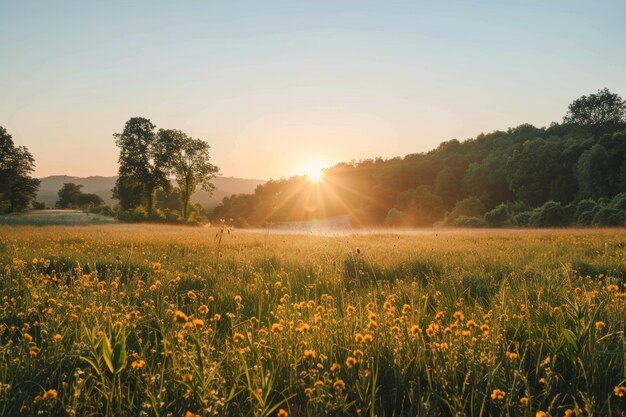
<point x="468" y="207"/>
<point x="551" y="214"/>
<point x="583" y="207"/>
<point x="138" y="214"/>
<point x="523" y="219"/>
<point x="585" y="218"/>
<point x="619" y="201"/>
<point x="467" y="221"/>
<point x="498" y="217"/>
<point x="39" y="205"/>
<point x="394" y="217"/>
<point x="609" y="216"/>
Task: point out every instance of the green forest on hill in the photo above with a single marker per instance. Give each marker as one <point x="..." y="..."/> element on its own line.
<point x="570" y="173"/>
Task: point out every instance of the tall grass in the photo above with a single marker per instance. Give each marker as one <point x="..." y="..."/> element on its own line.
<point x="172" y="321"/>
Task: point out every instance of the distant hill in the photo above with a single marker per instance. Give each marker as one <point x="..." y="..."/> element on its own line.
<point x="102" y="186"/>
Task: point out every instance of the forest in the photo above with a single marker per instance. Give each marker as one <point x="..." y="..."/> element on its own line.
<point x="569" y="173"/>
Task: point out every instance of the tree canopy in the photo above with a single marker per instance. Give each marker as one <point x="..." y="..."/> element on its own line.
<point x="490" y="179"/>
<point x="17" y="187"/>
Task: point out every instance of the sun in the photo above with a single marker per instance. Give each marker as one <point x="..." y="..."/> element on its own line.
<point x="314" y="173"/>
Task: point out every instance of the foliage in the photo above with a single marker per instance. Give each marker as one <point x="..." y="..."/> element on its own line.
<point x="582" y="158"/>
<point x="190" y="164"/>
<point x="144" y="159"/>
<point x="17" y="187"/>
<point x="597" y="110"/>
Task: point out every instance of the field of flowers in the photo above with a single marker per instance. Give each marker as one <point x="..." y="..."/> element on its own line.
<point x="122" y="320"/>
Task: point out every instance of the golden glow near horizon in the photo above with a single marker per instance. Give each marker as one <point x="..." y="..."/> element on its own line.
<point x="313" y="168"/>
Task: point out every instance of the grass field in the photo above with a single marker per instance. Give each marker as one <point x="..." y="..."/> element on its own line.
<point x="174" y="321"/>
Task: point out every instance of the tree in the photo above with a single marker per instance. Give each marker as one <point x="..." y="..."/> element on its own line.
<point x="144" y="161"/>
<point x="190" y="164"/>
<point x="597" y="110"/>
<point x="447" y="187"/>
<point x="17" y="187"/>
<point x="69" y="196"/>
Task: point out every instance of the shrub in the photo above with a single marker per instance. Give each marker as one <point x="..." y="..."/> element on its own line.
<point x="498" y="217"/>
<point x="619" y="201"/>
<point x="585" y="218"/>
<point x="609" y="216"/>
<point x="582" y="207"/>
<point x="551" y="214"/>
<point x="394" y="217"/>
<point x="523" y="219"/>
<point x="468" y="207"/>
<point x="39" y="205"/>
<point x="467" y="221"/>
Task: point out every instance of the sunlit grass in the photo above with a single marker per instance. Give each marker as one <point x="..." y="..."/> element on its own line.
<point x="130" y="320"/>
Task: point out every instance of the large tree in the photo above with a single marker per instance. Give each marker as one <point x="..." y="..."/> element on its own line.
<point x="603" y="109"/>
<point x="190" y="163"/>
<point x="144" y="161"/>
<point x="17" y="187"/>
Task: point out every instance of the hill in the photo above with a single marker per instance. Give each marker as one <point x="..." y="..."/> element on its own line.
<point x="102" y="186"/>
<point x="570" y="173"/>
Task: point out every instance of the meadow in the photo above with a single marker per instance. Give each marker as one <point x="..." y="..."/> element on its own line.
<point x="129" y="320"/>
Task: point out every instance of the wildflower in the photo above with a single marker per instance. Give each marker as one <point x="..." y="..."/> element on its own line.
<point x="50" y="395"/>
<point x="367" y="338"/>
<point x="335" y="367"/>
<point x="523" y="401"/>
<point x="439" y="315"/>
<point x="238" y="337"/>
<point x="203" y="310"/>
<point x="459" y="316"/>
<point x="600" y="325"/>
<point x="497" y="394"/>
<point x="138" y="364"/>
<point x="277" y="328"/>
<point x="156" y="266"/>
<point x="309" y="354"/>
<point x="180" y="317"/>
<point x="512" y="356"/>
<point x="339" y="385"/>
<point x="198" y="323"/>
<point x="612" y="288"/>
<point x="358" y="353"/>
<point x="217" y="317"/>
<point x="350" y="310"/>
<point x="28" y="337"/>
<point x="619" y="391"/>
<point x="541" y="414"/>
<point x="568" y="413"/>
<point x="187" y="378"/>
<point x="415" y="330"/>
<point x="358" y="338"/>
<point x="303" y="328"/>
<point x="350" y="361"/>
<point x="190" y="414"/>
<point x="238" y="299"/>
<point x="432" y="329"/>
<point x="282" y="413"/>
<point x="308" y="392"/>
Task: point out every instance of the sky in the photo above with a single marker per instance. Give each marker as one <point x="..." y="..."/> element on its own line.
<point x="276" y="87"/>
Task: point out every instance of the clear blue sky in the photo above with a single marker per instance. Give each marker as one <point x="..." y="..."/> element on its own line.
<point x="275" y="86"/>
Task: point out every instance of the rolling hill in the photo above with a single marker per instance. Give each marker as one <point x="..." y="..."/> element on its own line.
<point x="102" y="186"/>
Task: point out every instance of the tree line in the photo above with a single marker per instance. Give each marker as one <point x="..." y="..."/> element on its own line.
<point x="573" y="172"/>
<point x="148" y="161"/>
